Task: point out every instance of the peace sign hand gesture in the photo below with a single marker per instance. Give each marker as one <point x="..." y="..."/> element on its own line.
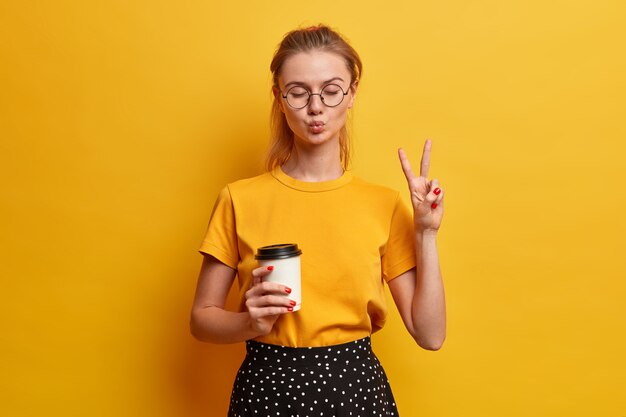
<point x="426" y="196"/>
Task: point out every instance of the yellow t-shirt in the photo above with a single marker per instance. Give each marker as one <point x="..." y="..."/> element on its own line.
<point x="354" y="236"/>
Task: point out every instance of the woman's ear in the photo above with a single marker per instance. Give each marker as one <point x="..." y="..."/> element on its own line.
<point x="277" y="97"/>
<point x="353" y="89"/>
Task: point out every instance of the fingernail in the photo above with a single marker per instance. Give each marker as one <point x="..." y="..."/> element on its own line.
<point x="434" y="205"/>
<point x="293" y="303"/>
<point x="270" y="268"/>
<point x="437" y="191"/>
<point x="290" y="308"/>
<point x="288" y="290"/>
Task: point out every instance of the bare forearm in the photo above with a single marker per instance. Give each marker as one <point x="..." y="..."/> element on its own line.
<point x="428" y="306"/>
<point x="216" y="325"/>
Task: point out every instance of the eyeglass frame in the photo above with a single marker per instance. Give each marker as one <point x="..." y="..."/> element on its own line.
<point x="308" y="101"/>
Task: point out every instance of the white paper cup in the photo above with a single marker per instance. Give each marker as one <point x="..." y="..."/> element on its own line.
<point x="285" y="258"/>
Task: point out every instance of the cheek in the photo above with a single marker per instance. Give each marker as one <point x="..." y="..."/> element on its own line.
<point x="293" y="121"/>
<point x="340" y="116"/>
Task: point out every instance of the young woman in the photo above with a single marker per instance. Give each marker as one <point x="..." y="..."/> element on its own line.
<point x="354" y="236"/>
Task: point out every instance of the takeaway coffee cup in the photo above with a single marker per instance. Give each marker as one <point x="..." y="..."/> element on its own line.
<point x="285" y="258"/>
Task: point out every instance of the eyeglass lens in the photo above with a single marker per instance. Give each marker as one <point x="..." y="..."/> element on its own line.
<point x="298" y="97"/>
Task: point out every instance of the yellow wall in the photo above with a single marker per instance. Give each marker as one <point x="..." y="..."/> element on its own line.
<point x="121" y="120"/>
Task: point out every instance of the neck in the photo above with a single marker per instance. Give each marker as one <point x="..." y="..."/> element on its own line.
<point x="314" y="163"/>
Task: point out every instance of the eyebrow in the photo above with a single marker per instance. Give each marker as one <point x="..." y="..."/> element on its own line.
<point x="305" y="84"/>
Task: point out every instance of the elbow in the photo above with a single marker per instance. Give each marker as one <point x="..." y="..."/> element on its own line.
<point x="429" y="336"/>
<point x="196" y="330"/>
<point x="433" y="344"/>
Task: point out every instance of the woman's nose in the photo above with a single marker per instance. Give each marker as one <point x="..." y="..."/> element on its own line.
<point x="315" y="103"/>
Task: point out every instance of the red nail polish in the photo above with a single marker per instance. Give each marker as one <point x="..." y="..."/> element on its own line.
<point x="434" y="205"/>
<point x="288" y="290"/>
<point x="290" y="308"/>
<point x="293" y="303"/>
<point x="436" y="191"/>
<point x="270" y="268"/>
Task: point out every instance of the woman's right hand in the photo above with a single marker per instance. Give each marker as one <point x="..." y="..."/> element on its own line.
<point x="266" y="301"/>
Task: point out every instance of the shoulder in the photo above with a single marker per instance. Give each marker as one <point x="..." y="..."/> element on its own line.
<point x="241" y="188"/>
<point x="376" y="191"/>
<point x="250" y="185"/>
<point x="374" y="197"/>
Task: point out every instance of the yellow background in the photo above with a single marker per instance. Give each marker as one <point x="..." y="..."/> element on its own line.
<point x="121" y="120"/>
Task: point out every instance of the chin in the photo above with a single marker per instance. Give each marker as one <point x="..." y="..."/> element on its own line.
<point x="317" y="139"/>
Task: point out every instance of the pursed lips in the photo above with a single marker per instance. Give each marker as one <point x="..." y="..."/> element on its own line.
<point x="316" y="126"/>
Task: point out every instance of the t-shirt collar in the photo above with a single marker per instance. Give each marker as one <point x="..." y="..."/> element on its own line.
<point x="290" y="182"/>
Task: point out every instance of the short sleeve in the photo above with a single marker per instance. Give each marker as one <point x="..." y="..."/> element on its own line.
<point x="220" y="240"/>
<point x="399" y="254"/>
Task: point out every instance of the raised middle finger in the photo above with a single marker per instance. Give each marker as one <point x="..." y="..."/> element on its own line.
<point x="425" y="164"/>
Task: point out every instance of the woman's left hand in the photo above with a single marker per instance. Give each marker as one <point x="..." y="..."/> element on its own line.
<point x="426" y="196"/>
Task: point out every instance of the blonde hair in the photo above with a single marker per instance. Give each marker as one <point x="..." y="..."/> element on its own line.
<point x="321" y="38"/>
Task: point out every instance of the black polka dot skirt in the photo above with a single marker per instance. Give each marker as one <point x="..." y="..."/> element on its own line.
<point x="339" y="380"/>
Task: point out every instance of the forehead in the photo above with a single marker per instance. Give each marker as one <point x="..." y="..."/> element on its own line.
<point x="313" y="68"/>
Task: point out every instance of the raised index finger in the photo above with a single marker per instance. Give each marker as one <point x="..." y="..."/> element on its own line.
<point x="406" y="165"/>
<point x="425" y="159"/>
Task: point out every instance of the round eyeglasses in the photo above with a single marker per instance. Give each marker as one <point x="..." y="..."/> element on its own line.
<point x="299" y="97"/>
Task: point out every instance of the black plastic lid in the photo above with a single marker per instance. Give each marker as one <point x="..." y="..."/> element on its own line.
<point x="280" y="251"/>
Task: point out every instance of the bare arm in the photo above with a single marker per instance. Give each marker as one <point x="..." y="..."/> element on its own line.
<point x="210" y="322"/>
<point x="419" y="296"/>
<point x="419" y="293"/>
